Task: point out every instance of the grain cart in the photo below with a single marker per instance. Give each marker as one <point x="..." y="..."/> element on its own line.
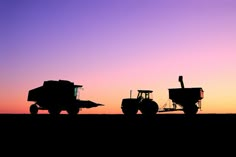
<point x="143" y="103"/>
<point x="189" y="99"/>
<point x="56" y="96"/>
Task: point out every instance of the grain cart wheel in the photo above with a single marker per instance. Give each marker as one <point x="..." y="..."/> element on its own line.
<point x="33" y="109"/>
<point x="190" y="109"/>
<point x="148" y="107"/>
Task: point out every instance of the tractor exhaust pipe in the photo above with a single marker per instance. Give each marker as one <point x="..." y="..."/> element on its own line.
<point x="181" y="81"/>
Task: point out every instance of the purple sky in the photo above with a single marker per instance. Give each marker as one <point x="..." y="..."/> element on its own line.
<point x="112" y="46"/>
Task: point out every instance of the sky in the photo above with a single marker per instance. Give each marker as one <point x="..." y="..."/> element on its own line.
<point x="112" y="47"/>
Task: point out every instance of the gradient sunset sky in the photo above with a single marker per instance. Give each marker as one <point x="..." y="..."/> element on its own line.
<point x="114" y="46"/>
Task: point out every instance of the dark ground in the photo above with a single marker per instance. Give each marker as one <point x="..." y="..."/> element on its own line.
<point x="100" y="132"/>
<point x="115" y="122"/>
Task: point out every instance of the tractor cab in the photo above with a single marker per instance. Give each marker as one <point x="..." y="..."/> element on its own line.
<point x="145" y="94"/>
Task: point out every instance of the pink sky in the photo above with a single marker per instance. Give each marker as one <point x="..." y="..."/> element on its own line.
<point x="112" y="47"/>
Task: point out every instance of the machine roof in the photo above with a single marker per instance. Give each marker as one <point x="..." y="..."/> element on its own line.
<point x="145" y="91"/>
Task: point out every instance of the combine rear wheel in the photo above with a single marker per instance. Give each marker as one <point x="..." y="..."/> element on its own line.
<point x="33" y="109"/>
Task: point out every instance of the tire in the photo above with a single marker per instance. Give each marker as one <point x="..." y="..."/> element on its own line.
<point x="129" y="106"/>
<point x="190" y="110"/>
<point x="129" y="110"/>
<point x="54" y="111"/>
<point x="33" y="109"/>
<point x="148" y="107"/>
<point x="73" y="110"/>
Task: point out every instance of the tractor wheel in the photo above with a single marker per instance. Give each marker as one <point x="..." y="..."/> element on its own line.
<point x="191" y="109"/>
<point x="129" y="106"/>
<point x="33" y="109"/>
<point x="129" y="110"/>
<point x="148" y="107"/>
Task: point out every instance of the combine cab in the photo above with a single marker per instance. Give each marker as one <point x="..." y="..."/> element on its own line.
<point x="56" y="96"/>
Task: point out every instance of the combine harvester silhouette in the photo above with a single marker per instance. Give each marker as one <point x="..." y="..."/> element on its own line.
<point x="183" y="99"/>
<point x="56" y="96"/>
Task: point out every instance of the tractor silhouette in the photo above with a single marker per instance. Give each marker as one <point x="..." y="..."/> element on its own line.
<point x="187" y="100"/>
<point x="143" y="102"/>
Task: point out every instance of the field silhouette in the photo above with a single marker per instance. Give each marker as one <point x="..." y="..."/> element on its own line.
<point x="115" y="132"/>
<point x="92" y="124"/>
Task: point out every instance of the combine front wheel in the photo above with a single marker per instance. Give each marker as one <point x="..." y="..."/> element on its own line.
<point x="73" y="110"/>
<point x="54" y="110"/>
